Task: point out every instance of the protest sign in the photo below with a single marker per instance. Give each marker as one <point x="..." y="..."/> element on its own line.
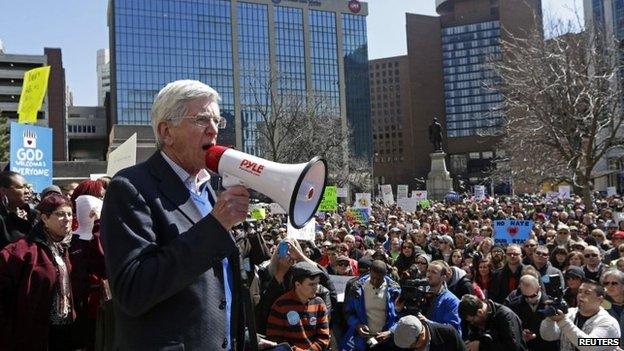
<point x="258" y="213"/>
<point x="402" y="190"/>
<point x="342" y="192"/>
<point x="123" y="156"/>
<point x="407" y="204"/>
<point x="305" y="233"/>
<point x="96" y="176"/>
<point x="31" y="154"/>
<point x="340" y="284"/>
<point x="552" y="196"/>
<point x="329" y="202"/>
<point x="564" y="192"/>
<point x="386" y="194"/>
<point x="611" y="191"/>
<point x="510" y="231"/>
<point x="33" y="91"/>
<point x="618" y="217"/>
<point x="362" y="200"/>
<point x="357" y="216"/>
<point x="419" y="194"/>
<point x="479" y="192"/>
<point x="424" y="204"/>
<point x="276" y="209"/>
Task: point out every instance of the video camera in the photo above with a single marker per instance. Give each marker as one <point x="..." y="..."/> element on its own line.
<point x="555" y="295"/>
<point x="414" y="294"/>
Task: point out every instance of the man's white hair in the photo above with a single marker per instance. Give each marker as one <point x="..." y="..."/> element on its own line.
<point x="170" y="103"/>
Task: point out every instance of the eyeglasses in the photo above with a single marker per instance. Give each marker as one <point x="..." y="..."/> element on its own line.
<point x="543" y="254"/>
<point x="610" y="283"/>
<point x="205" y="120"/>
<point x="590" y="255"/>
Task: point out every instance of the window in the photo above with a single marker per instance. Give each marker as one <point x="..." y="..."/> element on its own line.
<point x="487" y="154"/>
<point x="474" y="156"/>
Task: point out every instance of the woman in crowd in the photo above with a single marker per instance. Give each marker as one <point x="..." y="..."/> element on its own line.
<point x="483" y="275"/>
<point x="613" y="281"/>
<point x="37" y="308"/>
<point x="559" y="258"/>
<point x="576" y="258"/>
<point x="456" y="258"/>
<point x="406" y="258"/>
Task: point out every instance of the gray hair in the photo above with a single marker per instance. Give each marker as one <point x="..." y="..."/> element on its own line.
<point x="619" y="275"/>
<point x="170" y="103"/>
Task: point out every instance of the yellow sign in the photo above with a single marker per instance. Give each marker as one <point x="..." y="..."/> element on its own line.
<point x="258" y="213"/>
<point x="33" y="91"/>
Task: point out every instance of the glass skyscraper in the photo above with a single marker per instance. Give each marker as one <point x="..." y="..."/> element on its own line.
<point x="320" y="47"/>
<point x="470" y="106"/>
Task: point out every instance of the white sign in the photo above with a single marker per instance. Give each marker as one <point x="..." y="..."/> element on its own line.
<point x="362" y="200"/>
<point x="342" y="192"/>
<point x="552" y="196"/>
<point x="386" y="194"/>
<point x="305" y="233"/>
<point x="618" y="217"/>
<point x="407" y="204"/>
<point x="96" y="176"/>
<point x="611" y="191"/>
<point x="564" y="192"/>
<point x="479" y="192"/>
<point x="419" y="194"/>
<point x="340" y="284"/>
<point x="123" y="156"/>
<point x="402" y="190"/>
<point x="276" y="209"/>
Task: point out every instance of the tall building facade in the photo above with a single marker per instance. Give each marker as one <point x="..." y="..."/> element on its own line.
<point x="237" y="47"/>
<point x="53" y="110"/>
<point x="103" y="74"/>
<point x="607" y="18"/>
<point x="394" y="154"/>
<point x="450" y="79"/>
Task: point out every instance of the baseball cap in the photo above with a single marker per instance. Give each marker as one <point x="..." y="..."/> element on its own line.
<point x="305" y="269"/>
<point x="574" y="271"/>
<point x="51" y="189"/>
<point x="407" y="330"/>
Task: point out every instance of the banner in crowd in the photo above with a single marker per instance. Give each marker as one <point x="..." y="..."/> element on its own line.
<point x="552" y="196"/>
<point x="276" y="208"/>
<point x="123" y="156"/>
<point x="357" y="216"/>
<point x="305" y="233"/>
<point x="564" y="192"/>
<point x="618" y="217"/>
<point x="340" y="284"/>
<point x="424" y="204"/>
<point x="479" y="192"/>
<point x="342" y="192"/>
<point x="33" y="91"/>
<point x="362" y="200"/>
<point x="258" y="213"/>
<point x="407" y="204"/>
<point x="419" y="194"/>
<point x="611" y="191"/>
<point x="329" y="203"/>
<point x="386" y="194"/>
<point x="402" y="190"/>
<point x="511" y="231"/>
<point x="31" y="154"/>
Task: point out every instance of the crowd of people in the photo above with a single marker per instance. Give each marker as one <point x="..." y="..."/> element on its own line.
<point x="180" y="266"/>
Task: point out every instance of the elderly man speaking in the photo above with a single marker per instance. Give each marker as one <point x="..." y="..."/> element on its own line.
<point x="171" y="260"/>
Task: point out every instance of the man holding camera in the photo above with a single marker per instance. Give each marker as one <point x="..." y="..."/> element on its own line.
<point x="588" y="320"/>
<point x="492" y="325"/>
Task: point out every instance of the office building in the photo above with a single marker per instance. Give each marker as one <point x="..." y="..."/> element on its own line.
<point x="450" y="79"/>
<point x="87" y="133"/>
<point x="393" y="130"/>
<point x="319" y="46"/>
<point x="53" y="110"/>
<point x="103" y="74"/>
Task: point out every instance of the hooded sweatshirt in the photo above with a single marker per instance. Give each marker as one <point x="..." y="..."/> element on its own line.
<point x="459" y="284"/>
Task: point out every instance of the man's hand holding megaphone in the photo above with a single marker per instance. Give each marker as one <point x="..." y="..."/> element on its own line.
<point x="231" y="206"/>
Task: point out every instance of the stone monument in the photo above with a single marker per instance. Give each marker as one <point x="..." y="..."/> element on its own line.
<point x="439" y="181"/>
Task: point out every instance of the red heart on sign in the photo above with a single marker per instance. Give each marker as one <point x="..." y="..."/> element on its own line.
<point x="29" y="142"/>
<point x="512" y="231"/>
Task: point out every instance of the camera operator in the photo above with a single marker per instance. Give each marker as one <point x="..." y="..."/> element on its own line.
<point x="492" y="325"/>
<point x="589" y="320"/>
<point x="527" y="306"/>
<point x="443" y="305"/>
<point x="413" y="334"/>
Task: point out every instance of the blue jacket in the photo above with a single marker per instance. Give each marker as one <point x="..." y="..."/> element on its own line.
<point x="355" y="311"/>
<point x="443" y="309"/>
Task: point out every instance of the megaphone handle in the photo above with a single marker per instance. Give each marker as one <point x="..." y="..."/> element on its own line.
<point x="229" y="181"/>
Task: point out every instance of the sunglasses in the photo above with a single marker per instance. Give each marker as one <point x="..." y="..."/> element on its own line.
<point x="590" y="255"/>
<point x="530" y="296"/>
<point x="543" y="254"/>
<point x="611" y="283"/>
<point x="343" y="264"/>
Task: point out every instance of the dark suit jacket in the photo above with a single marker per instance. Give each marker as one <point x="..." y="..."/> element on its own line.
<point x="444" y="337"/>
<point x="164" y="264"/>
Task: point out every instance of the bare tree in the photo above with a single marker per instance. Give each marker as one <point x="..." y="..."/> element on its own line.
<point x="296" y="125"/>
<point x="563" y="104"/>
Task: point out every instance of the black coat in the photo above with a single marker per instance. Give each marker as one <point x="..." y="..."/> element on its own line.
<point x="444" y="337"/>
<point x="500" y="283"/>
<point x="505" y="328"/>
<point x="462" y="287"/>
<point x="163" y="260"/>
<point x="13" y="227"/>
<point x="531" y="321"/>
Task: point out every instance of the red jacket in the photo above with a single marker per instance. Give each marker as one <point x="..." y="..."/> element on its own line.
<point x="28" y="279"/>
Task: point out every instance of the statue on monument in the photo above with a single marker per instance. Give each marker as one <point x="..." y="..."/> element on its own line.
<point x="435" y="135"/>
